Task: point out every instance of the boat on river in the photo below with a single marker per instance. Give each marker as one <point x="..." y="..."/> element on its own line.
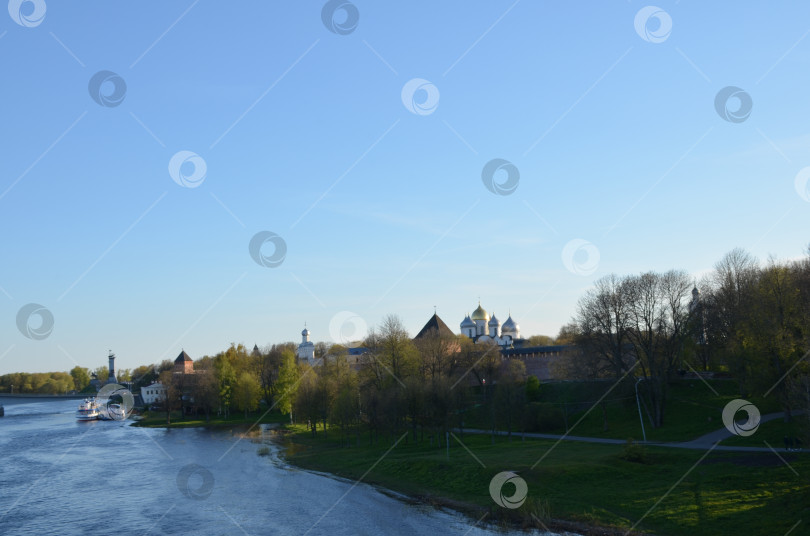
<point x="88" y="410"/>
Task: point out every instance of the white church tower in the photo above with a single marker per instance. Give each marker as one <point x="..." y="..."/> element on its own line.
<point x="306" y="350"/>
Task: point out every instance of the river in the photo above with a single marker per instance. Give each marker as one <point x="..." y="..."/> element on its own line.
<point x="62" y="476"/>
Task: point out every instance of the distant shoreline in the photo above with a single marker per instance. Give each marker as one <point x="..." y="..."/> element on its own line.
<point x="7" y="399"/>
<point x="41" y="395"/>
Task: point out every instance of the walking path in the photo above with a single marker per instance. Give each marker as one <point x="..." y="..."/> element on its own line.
<point x="703" y="442"/>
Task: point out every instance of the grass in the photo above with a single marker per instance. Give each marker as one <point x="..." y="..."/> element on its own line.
<point x="726" y="493"/>
<point x="773" y="432"/>
<point x="693" y="409"/>
<point x="157" y="419"/>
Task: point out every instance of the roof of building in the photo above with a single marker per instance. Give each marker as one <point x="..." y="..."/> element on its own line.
<point x="523" y="350"/>
<point x="183" y="357"/>
<point x="435" y="323"/>
<point x="509" y="325"/>
<point x="467" y="322"/>
<point x="494" y="321"/>
<point x="480" y="313"/>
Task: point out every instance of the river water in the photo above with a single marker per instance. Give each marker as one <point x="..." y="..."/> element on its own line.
<point x="61" y="476"/>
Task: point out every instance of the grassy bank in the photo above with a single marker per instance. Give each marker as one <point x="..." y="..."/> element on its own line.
<point x="694" y="408"/>
<point x="726" y="493"/>
<point x="771" y="433"/>
<point x="157" y="419"/>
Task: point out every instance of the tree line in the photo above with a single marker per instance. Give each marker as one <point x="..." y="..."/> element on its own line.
<point x="424" y="386"/>
<point x="55" y="383"/>
<point x="748" y="319"/>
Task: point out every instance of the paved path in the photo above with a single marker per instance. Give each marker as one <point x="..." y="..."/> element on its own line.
<point x="704" y="442"/>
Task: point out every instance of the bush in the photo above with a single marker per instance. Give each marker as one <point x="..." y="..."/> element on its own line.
<point x="635" y="453"/>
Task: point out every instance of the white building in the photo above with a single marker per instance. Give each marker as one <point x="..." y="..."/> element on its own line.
<point x="480" y="327"/>
<point x="306" y="350"/>
<point x="154" y="393"/>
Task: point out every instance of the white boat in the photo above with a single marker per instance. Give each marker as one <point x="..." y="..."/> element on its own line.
<point x="88" y="410"/>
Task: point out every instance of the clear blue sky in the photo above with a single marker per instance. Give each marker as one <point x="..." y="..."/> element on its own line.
<point x="305" y="133"/>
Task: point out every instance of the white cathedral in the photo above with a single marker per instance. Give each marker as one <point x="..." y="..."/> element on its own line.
<point x="480" y="327"/>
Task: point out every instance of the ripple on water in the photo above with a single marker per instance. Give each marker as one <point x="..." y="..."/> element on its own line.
<point x="60" y="476"/>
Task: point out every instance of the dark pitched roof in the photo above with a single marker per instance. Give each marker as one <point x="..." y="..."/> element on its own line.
<point x="183" y="357"/>
<point x="437" y="324"/>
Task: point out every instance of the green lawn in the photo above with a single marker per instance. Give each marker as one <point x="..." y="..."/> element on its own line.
<point x="157" y="419"/>
<point x="773" y="432"/>
<point x="693" y="409"/>
<point x="728" y="493"/>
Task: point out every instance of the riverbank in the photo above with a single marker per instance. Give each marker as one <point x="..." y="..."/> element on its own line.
<point x="592" y="489"/>
<point x="157" y="419"/>
<point x="585" y="488"/>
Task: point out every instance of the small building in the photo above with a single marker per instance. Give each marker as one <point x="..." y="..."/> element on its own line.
<point x="153" y="393"/>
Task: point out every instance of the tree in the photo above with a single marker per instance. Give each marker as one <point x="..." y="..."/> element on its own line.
<point x="247" y="392"/>
<point x="287" y="383"/>
<point x="532" y="389"/>
<point x="226" y="376"/>
<point x="726" y="307"/>
<point x="305" y="398"/>
<point x="483" y="362"/>
<point x="659" y="315"/>
<point x="269" y="363"/>
<point x="395" y="349"/>
<point x="775" y="331"/>
<point x="604" y="322"/>
<point x="568" y="334"/>
<point x="438" y="354"/>
<point x="171" y="395"/>
<point x="206" y="391"/>
<point x="540" y="340"/>
<point x="81" y="377"/>
<point x="143" y="376"/>
<point x="102" y="373"/>
<point x="510" y="394"/>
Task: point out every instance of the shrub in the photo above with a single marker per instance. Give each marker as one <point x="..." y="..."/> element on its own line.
<point x="635" y="453"/>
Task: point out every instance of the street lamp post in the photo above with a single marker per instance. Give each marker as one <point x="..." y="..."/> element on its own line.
<point x="643" y="433"/>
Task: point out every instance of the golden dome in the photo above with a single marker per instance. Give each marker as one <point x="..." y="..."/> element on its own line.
<point x="479" y="313"/>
